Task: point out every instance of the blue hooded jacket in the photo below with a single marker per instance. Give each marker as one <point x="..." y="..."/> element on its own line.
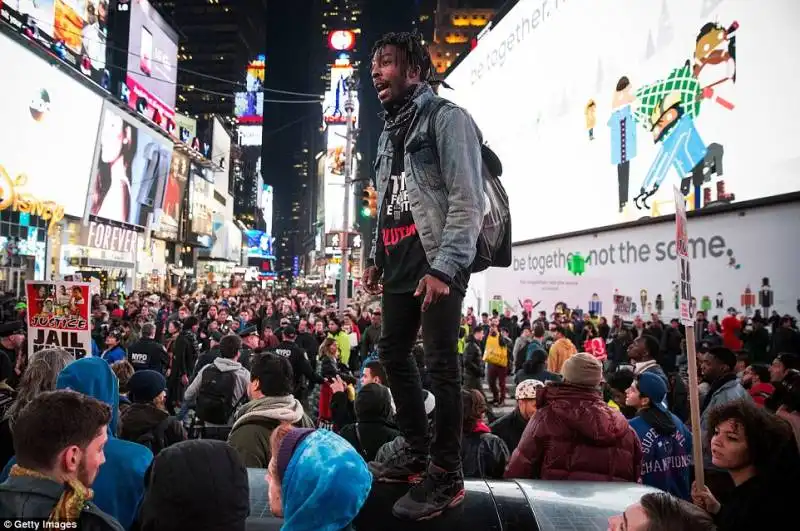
<point x="119" y="486"/>
<point x="115" y="354"/>
<point x="325" y="485"/>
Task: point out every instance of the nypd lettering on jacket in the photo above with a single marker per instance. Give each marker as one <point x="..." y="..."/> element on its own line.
<point x="138" y="358"/>
<point x="285" y="352"/>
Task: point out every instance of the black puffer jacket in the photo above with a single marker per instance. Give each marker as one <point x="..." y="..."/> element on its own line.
<point x="153" y="427"/>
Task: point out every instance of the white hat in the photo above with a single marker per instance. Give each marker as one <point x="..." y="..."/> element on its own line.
<point x="526" y="390"/>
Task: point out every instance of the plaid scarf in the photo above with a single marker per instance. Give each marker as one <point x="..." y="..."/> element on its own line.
<point x="69" y="506"/>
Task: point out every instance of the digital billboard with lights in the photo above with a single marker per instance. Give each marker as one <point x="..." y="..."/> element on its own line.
<point x="333" y="110"/>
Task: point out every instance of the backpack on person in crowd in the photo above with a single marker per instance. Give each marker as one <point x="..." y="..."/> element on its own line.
<point x="155" y="439"/>
<point x="532" y="347"/>
<point x="493" y="247"/>
<point x="215" y="397"/>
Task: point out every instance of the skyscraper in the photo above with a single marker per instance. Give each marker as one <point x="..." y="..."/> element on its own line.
<point x="457" y="23"/>
<point x="218" y="39"/>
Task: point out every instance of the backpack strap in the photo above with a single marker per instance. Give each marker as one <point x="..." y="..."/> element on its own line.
<point x="362" y="451"/>
<point x="435" y="106"/>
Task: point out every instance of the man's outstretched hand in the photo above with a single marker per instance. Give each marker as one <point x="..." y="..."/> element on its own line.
<point x="371" y="280"/>
<point x="433" y="289"/>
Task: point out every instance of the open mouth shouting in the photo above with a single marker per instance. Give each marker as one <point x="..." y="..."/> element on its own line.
<point x="384" y="90"/>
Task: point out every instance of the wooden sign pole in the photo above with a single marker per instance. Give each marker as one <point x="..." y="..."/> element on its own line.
<point x="694" y="407"/>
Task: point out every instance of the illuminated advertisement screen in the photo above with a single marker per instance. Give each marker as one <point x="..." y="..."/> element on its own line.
<point x="186" y="128"/>
<point x="255" y="74"/>
<point x="174" y="190"/>
<point x="334" y="179"/>
<point x="655" y="100"/>
<point x="75" y="31"/>
<point x="259" y="244"/>
<point x="266" y="205"/>
<point x="129" y="171"/>
<point x="152" y="65"/>
<point x="50" y="124"/>
<point x="333" y="110"/>
<point x="248" y="107"/>
<point x="250" y="135"/>
<point x="201" y="190"/>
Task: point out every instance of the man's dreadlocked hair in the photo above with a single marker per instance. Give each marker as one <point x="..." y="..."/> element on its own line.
<point x="411" y="52"/>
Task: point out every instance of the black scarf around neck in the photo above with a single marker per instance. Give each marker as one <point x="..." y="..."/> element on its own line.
<point x="403" y="111"/>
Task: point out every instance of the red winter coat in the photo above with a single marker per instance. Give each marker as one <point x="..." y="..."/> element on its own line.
<point x="731" y="327"/>
<point x="576" y="436"/>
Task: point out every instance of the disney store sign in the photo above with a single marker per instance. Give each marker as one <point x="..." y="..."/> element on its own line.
<point x="19" y="201"/>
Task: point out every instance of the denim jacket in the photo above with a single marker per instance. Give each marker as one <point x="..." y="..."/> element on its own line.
<point x="444" y="182"/>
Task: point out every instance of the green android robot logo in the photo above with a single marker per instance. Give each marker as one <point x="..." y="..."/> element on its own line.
<point x="576" y="264"/>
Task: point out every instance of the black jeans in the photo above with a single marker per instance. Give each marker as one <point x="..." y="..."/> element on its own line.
<point x="623" y="173"/>
<point x="402" y="317"/>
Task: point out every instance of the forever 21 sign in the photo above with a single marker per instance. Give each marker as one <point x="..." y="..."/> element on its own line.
<point x="109" y="237"/>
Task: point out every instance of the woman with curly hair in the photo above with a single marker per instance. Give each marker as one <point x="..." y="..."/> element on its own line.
<point x="758" y="450"/>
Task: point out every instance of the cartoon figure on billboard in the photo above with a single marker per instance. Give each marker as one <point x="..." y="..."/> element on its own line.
<point x="496" y="304"/>
<point x="590" y="113"/>
<point x="643" y="297"/>
<point x="748" y="300"/>
<point x="720" y="302"/>
<point x="528" y="306"/>
<point x="714" y="63"/>
<point x="705" y="303"/>
<point x="623" y="136"/>
<point x="667" y="108"/>
<point x="765" y="296"/>
<point x="595" y="305"/>
<point x="659" y="304"/>
<point x="675" y="296"/>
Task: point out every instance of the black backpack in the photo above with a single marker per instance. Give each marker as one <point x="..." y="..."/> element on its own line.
<point x="155" y="439"/>
<point x="493" y="247"/>
<point x="215" y="398"/>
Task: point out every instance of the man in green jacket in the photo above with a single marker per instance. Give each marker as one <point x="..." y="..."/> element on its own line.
<point x="271" y="403"/>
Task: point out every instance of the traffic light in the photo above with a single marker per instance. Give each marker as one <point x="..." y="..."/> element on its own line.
<point x="369" y="202"/>
<point x="365" y="210"/>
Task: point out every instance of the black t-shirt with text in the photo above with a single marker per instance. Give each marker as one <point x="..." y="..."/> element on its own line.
<point x="405" y="262"/>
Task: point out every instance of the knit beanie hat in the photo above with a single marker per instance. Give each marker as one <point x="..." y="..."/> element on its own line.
<point x="144" y="386"/>
<point x="288" y="446"/>
<point x="183" y="478"/>
<point x="582" y="369"/>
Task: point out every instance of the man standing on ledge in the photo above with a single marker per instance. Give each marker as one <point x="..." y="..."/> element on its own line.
<point x="431" y="204"/>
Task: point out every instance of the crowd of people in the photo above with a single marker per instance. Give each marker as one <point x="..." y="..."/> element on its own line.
<point x="228" y="382"/>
